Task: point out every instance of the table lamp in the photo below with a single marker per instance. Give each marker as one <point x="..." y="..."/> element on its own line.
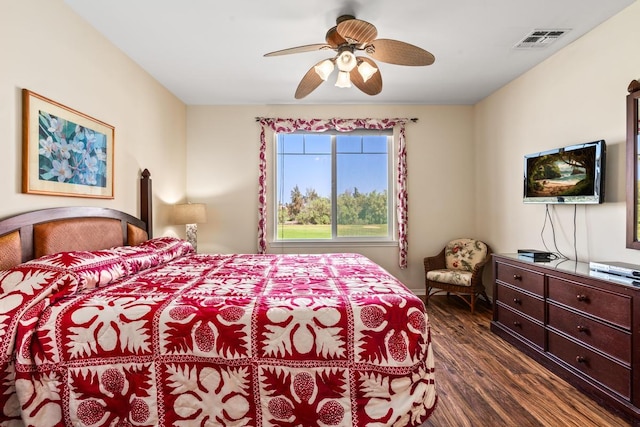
<point x="190" y="214"/>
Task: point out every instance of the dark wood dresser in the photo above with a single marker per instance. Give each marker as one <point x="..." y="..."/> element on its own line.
<point x="582" y="325"/>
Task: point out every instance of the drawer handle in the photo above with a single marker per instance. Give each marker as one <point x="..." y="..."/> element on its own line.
<point x="517" y="277"/>
<point x="582" y="328"/>
<point x="581" y="359"/>
<point x="581" y="297"/>
<point x="516" y="323"/>
<point x="517" y="301"/>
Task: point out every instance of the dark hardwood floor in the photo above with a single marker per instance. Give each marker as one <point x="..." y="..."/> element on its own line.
<point x="484" y="381"/>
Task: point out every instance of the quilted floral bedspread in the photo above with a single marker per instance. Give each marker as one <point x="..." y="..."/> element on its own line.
<point x="158" y="335"/>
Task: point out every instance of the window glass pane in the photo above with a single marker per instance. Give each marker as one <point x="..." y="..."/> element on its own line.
<point x="310" y="188"/>
<point x="317" y="144"/>
<point x="304" y="192"/>
<point x="362" y="208"/>
<point x="349" y="143"/>
<point x="374" y="144"/>
<point x="290" y="143"/>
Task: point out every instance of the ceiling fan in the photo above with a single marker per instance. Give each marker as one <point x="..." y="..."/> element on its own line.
<point x="349" y="36"/>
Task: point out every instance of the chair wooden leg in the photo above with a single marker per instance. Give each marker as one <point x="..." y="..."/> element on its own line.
<point x="473" y="301"/>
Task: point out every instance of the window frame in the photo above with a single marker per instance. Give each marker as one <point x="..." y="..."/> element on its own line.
<point x="391" y="239"/>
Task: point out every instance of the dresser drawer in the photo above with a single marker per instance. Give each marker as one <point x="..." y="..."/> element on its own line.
<point x="521" y="278"/>
<point x="520" y="301"/>
<point x="608" y="306"/>
<point x="610" y="340"/>
<point x="605" y="371"/>
<point x="519" y="324"/>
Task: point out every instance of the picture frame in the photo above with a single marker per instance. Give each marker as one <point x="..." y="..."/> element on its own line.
<point x="64" y="152"/>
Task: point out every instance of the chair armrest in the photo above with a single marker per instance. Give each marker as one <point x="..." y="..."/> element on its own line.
<point x="436" y="262"/>
<point x="476" y="275"/>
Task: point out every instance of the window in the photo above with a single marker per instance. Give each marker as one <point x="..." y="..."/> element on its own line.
<point x="334" y="186"/>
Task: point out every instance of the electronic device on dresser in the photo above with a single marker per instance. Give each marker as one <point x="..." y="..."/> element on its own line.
<point x="535" y="254"/>
<point x="578" y="324"/>
<point x="618" y="268"/>
<point x="628" y="274"/>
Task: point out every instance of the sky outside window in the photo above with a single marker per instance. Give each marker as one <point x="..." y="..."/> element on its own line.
<point x="305" y="160"/>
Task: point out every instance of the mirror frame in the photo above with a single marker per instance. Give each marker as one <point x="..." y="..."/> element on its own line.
<point x="633" y="140"/>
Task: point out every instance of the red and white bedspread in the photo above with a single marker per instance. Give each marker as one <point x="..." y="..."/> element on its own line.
<point x="157" y="335"/>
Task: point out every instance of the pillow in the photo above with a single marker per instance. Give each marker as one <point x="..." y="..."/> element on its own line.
<point x="167" y="248"/>
<point x="137" y="258"/>
<point x="94" y="268"/>
<point x="464" y="254"/>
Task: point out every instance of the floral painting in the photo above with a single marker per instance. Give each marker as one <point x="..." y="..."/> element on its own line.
<point x="71" y="153"/>
<point x="65" y="152"/>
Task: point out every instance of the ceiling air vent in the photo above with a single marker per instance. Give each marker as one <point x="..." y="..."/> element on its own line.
<point x="540" y="38"/>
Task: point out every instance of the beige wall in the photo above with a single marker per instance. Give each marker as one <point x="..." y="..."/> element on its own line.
<point x="222" y="154"/>
<point x="50" y="50"/>
<point x="578" y="95"/>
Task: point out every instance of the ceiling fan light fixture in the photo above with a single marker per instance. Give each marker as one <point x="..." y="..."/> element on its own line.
<point x="324" y="69"/>
<point x="366" y="70"/>
<point x="343" y="80"/>
<point x="348" y="37"/>
<point x="346" y="61"/>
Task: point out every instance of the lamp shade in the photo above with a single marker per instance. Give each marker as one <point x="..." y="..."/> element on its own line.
<point x="324" y="69"/>
<point x="343" y="79"/>
<point x="190" y="213"/>
<point x="346" y="61"/>
<point x="366" y="70"/>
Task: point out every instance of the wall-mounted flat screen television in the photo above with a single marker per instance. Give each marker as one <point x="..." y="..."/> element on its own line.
<point x="573" y="174"/>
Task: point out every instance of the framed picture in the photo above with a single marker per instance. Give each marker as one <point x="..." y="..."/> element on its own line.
<point x="64" y="152"/>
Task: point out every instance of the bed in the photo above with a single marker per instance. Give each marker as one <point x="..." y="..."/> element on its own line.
<point x="102" y="324"/>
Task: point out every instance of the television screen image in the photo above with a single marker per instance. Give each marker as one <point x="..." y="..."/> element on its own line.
<point x="573" y="174"/>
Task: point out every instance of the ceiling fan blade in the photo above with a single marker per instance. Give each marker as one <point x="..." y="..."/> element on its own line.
<point x="333" y="38"/>
<point x="373" y="86"/>
<point x="309" y="82"/>
<point x="399" y="53"/>
<point x="300" y="49"/>
<point x="356" y="31"/>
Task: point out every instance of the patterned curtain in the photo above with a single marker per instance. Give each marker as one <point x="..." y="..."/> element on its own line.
<point x="280" y="125"/>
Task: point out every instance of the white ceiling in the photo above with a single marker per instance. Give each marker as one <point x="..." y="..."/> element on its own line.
<point x="210" y="52"/>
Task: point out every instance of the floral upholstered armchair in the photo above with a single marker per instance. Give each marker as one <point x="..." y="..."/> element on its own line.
<point x="457" y="270"/>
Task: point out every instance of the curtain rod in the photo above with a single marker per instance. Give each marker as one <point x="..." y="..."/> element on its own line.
<point x="413" y="119"/>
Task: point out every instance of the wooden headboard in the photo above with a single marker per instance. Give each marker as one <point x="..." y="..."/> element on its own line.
<point x="33" y="234"/>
